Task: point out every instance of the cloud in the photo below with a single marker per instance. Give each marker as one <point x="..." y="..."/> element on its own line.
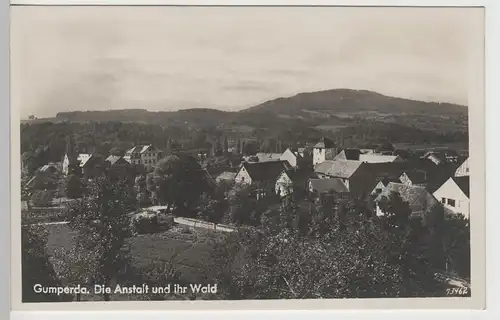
<point x="68" y="58"/>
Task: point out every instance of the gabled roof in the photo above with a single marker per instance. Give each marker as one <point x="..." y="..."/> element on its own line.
<point x="294" y="151"/>
<point x="140" y="149"/>
<point x="226" y="175"/>
<point x="113" y="159"/>
<point x="83" y="158"/>
<point x="338" y="168"/>
<point x="325" y="143"/>
<point x="463" y="183"/>
<point x="441" y="157"/>
<point x="348" y="154"/>
<point x="265" y="171"/>
<point x="418" y="198"/>
<point x="327" y="185"/>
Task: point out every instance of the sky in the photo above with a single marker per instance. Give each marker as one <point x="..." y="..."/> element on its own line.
<point x="170" y="58"/>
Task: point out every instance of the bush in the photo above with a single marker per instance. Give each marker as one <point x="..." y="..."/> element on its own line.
<point x="166" y="221"/>
<point x="186" y="230"/>
<point x="41" y="198"/>
<point x="145" y="223"/>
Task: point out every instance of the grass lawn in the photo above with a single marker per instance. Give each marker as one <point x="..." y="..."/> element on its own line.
<point x="187" y="251"/>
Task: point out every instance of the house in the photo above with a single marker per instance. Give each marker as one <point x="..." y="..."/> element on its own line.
<point x="414" y="178"/>
<point x="226" y="176"/>
<point x="92" y="165"/>
<point x="263" y="157"/>
<point x="295" y="158"/>
<point x="443" y="157"/>
<point x="455" y="196"/>
<point x="463" y="169"/>
<point x="324" y="150"/>
<point x="260" y="172"/>
<point x="116" y="160"/>
<point x="305" y="152"/>
<point x="146" y="155"/>
<point x="70" y="159"/>
<point x="435" y="157"/>
<point x="358" y="155"/>
<point x="417" y="197"/>
<point x="323" y="186"/>
<point x="352" y="173"/>
<point x="381" y="185"/>
<point x="292" y="180"/>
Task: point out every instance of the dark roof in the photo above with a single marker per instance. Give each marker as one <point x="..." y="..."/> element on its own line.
<point x="338" y="168"/>
<point x="387" y="180"/>
<point x="327" y="185"/>
<point x="417" y="176"/>
<point x="418" y="198"/>
<point x="349" y="154"/>
<point x="463" y="183"/>
<point x="325" y="143"/>
<point x="265" y="171"/>
<point x="298" y="175"/>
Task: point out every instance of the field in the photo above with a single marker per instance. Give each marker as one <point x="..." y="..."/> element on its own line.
<point x="458" y="146"/>
<point x="188" y="251"/>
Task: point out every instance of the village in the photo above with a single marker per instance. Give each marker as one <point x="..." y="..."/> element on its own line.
<point x="306" y="172"/>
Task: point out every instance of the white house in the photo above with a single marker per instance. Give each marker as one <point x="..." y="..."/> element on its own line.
<point x="454" y="195"/>
<point x="146" y="155"/>
<point x="80" y="159"/>
<point x="463" y="169"/>
<point x="263" y="172"/>
<point x="325" y="149"/>
<point x="292" y="181"/>
<point x="294" y="157"/>
<point x="284" y="185"/>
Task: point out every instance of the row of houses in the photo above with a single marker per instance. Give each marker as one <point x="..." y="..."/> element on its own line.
<point x="358" y="172"/>
<point x="146" y="155"/>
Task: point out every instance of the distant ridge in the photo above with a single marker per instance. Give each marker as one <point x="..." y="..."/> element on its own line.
<point x="349" y="100"/>
<point x="329" y="108"/>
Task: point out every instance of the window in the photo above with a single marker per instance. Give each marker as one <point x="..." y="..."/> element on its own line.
<point x="451" y="202"/>
<point x="467" y="170"/>
<point x="154" y="154"/>
<point x="378" y="190"/>
<point x="443" y="200"/>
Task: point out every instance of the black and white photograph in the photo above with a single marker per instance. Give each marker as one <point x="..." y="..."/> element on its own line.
<point x="171" y="153"/>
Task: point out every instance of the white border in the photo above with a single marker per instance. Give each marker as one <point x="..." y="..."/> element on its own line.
<point x="492" y="99"/>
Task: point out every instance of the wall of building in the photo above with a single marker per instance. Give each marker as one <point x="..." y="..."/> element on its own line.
<point x="463" y="170"/>
<point x="243" y="176"/>
<point x="318" y="155"/>
<point x="284" y="185"/>
<point x="459" y="204"/>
